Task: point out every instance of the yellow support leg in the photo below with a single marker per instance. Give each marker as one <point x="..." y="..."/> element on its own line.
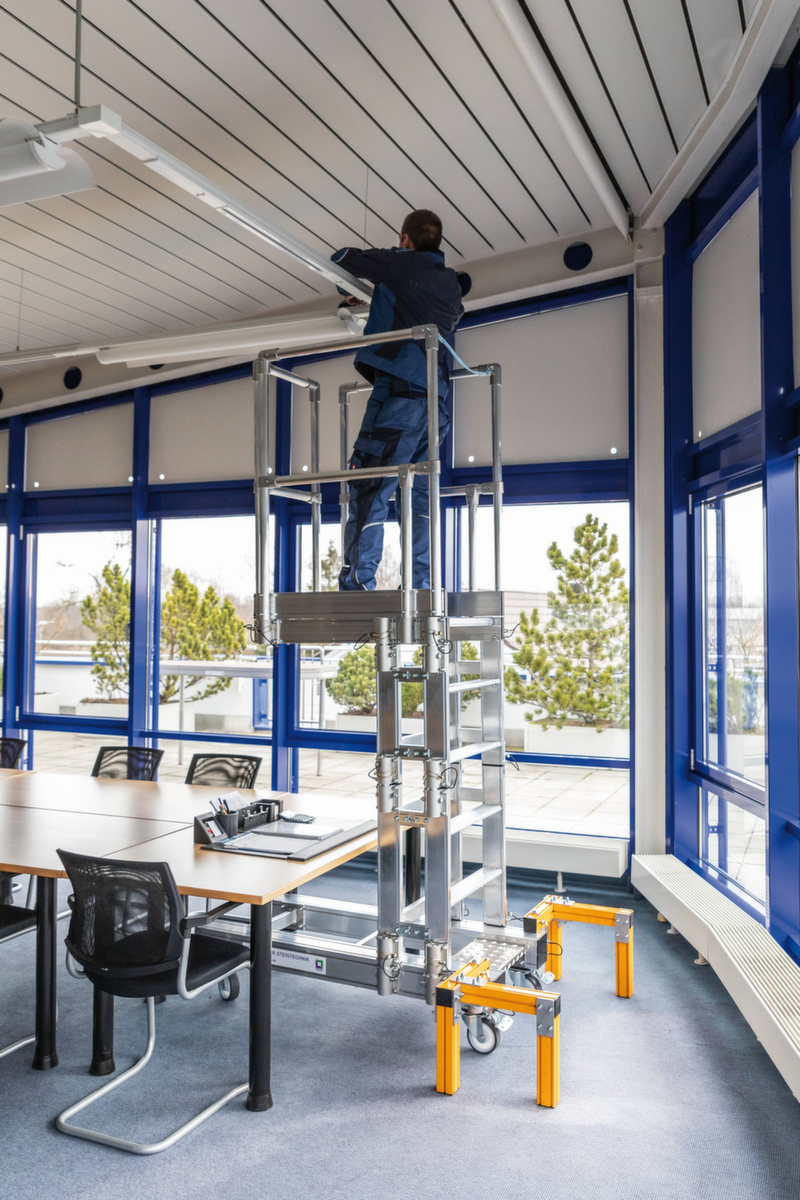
<point x="448" y="1051"/>
<point x="625" y="966"/>
<point x="554" y="948"/>
<point x="548" y="1067"/>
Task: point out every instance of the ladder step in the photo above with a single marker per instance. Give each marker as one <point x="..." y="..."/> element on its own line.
<point x="473" y="883"/>
<point x="467" y="685"/>
<point x="473" y="816"/>
<point x="472" y="750"/>
<point x="469" y="793"/>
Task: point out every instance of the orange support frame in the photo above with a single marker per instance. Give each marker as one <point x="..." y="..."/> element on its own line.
<point x="472" y="986"/>
<point x="553" y="910"/>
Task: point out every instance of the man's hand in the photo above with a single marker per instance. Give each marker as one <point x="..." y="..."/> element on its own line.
<point x="350" y="301"/>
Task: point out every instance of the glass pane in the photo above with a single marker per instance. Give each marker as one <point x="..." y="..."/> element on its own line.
<point x="66" y="753"/>
<point x="565" y="577"/>
<point x="211" y="677"/>
<point x="734" y="841"/>
<point x="733" y="652"/>
<point x="82" y="621"/>
<point x="3" y="560"/>
<point x="539" y="797"/>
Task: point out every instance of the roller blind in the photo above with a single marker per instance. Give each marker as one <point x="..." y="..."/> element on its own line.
<point x="91" y="449"/>
<point x="329" y="375"/>
<point x="203" y="433"/>
<point x="726" y="342"/>
<point x="565" y="386"/>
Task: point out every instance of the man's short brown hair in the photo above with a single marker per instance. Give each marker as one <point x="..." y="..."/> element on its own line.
<point x="424" y="229"/>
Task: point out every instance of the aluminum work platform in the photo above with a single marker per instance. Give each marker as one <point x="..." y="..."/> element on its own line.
<point x="415" y="935"/>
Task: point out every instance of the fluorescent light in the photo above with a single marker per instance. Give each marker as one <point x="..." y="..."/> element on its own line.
<point x="33" y="167"/>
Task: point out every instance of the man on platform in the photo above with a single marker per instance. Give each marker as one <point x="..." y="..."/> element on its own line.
<point x="413" y="287"/>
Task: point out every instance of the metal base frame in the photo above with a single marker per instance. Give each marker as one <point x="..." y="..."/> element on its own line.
<point x="104" y="1139"/>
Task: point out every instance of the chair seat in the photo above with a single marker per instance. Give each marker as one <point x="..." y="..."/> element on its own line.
<point x="14" y="920"/>
<point x="209" y="958"/>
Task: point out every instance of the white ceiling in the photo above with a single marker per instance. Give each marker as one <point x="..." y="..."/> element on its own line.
<point x="334" y="118"/>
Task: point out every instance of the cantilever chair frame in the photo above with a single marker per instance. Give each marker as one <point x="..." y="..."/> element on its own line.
<point x="9" y="937"/>
<point x="189" y="923"/>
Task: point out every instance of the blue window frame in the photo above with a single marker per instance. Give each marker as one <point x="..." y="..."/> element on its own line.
<point x="759" y="451"/>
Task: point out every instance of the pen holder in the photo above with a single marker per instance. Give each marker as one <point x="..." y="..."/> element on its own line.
<point x="260" y="813"/>
<point x="228" y="823"/>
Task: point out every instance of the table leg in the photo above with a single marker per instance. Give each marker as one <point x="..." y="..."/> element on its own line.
<point x="102" y="1034"/>
<point x="45" y="1055"/>
<point x="259" y="1096"/>
<point x="6" y="880"/>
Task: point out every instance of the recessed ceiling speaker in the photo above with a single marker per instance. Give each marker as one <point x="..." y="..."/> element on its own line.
<point x="72" y="377"/>
<point x="578" y="256"/>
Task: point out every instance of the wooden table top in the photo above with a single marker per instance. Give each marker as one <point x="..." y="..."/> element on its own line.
<point x="241" y="877"/>
<point x="29" y="837"/>
<point x="9" y="772"/>
<point x="172" y="802"/>
<point x="152" y="822"/>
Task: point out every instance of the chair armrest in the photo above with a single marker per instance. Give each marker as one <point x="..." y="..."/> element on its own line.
<point x="197" y="920"/>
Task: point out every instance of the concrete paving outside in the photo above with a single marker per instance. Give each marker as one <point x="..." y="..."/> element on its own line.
<point x="554" y="799"/>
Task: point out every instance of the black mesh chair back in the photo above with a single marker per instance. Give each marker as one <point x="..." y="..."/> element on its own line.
<point x="11" y="752"/>
<point x="224" y="770"/>
<point x="127" y="762"/>
<point x="126" y="916"/>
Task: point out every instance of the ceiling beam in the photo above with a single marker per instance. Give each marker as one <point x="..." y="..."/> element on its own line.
<point x="757" y="52"/>
<point x="532" y="54"/>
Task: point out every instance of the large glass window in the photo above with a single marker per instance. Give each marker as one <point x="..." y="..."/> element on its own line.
<point x="565" y="571"/>
<point x="81" y="615"/>
<point x="734" y="843"/>
<point x="212" y="679"/>
<point x="733" y="634"/>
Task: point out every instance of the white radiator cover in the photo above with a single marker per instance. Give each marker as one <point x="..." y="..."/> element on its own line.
<point x="763" y="981"/>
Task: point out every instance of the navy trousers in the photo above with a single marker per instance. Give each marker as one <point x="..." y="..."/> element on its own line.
<point x="394" y="430"/>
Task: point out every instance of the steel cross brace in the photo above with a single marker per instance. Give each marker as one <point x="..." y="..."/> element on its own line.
<point x="553" y="910"/>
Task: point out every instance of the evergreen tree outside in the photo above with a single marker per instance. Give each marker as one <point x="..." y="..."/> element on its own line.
<point x="191" y="627"/>
<point x="578" y="663"/>
<point x="198" y="629"/>
<point x="354" y="686"/>
<point x="107" y="614"/>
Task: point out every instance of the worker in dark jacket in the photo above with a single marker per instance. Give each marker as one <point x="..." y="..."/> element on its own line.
<point x="413" y="287"/>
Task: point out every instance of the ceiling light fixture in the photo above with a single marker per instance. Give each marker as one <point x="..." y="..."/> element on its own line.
<point x="33" y="166"/>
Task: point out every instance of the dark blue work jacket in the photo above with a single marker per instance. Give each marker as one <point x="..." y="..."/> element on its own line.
<point x="413" y="287"/>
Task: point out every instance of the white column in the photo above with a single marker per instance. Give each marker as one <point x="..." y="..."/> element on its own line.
<point x="649" y="612"/>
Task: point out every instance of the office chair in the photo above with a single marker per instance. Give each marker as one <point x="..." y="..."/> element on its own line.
<point x="14" y="921"/>
<point x="224" y="770"/>
<point x="127" y="762"/>
<point x="128" y="936"/>
<point x="11" y="752"/>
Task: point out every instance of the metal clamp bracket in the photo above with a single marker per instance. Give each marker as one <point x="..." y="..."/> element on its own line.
<point x="546" y="1016"/>
<point x="623" y="922"/>
<point x="408" y="929"/>
<point x="404" y="817"/>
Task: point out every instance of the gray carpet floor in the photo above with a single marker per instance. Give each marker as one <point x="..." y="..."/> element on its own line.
<point x="667" y="1095"/>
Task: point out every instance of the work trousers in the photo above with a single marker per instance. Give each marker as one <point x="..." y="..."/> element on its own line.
<point x="394" y="430"/>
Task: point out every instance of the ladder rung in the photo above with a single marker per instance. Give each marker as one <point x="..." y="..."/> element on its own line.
<point x="472" y="816"/>
<point x="469" y="793"/>
<point x="473" y="883"/>
<point x="467" y="685"/>
<point x="472" y="750"/>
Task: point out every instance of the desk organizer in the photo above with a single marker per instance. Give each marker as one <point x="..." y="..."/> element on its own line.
<point x="258" y="813"/>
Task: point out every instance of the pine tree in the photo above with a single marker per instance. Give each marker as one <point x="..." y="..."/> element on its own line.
<point x="107" y="615"/>
<point x="578" y="664"/>
<point x="199" y="629"/>
<point x="354" y="686"/>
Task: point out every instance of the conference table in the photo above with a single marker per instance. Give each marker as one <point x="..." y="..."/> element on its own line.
<point x="152" y="822"/>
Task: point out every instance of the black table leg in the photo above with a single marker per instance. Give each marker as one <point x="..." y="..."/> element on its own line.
<point x="6" y="881"/>
<point x="102" y="1034"/>
<point x="259" y="1096"/>
<point x="45" y="1055"/>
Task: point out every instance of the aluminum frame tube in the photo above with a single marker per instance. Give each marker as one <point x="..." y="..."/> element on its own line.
<point x="473" y="500"/>
<point x="416" y="333"/>
<point x="316" y="509"/>
<point x="434" y="482"/>
<point x="497" y="470"/>
<point x="406" y="555"/>
<point x="261" y="599"/>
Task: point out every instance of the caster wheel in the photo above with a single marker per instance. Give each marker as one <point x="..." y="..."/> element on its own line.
<point x="229" y="988"/>
<point x="489" y="1039"/>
